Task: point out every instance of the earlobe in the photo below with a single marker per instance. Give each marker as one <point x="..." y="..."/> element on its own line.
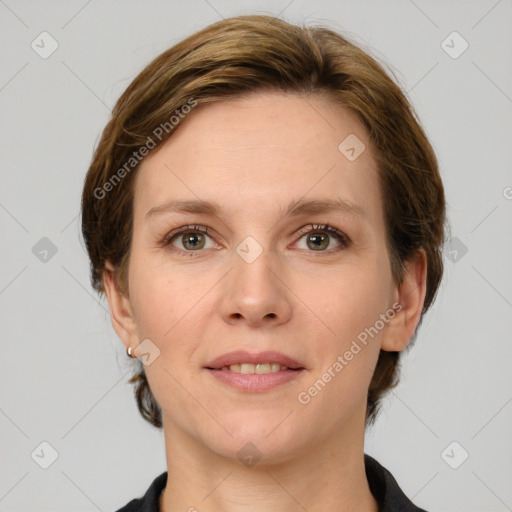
<point x="411" y="297"/>
<point x="121" y="313"/>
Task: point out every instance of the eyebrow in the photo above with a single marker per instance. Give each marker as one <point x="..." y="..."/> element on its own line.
<point x="295" y="208"/>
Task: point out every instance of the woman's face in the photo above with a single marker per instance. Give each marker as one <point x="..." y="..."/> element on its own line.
<point x="267" y="283"/>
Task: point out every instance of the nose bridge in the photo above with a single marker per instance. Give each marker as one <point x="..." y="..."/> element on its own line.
<point x="254" y="290"/>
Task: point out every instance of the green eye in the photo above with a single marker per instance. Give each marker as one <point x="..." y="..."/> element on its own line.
<point x="317" y="241"/>
<point x="192" y="238"/>
<point x="193" y="241"/>
<point x="318" y="237"/>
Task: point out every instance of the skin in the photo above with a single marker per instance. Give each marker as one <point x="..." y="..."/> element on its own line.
<point x="253" y="156"/>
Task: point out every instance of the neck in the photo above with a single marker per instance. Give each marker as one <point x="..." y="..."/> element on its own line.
<point x="325" y="477"/>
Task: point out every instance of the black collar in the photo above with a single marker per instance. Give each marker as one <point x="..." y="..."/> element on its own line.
<point x="383" y="486"/>
<point x="385" y="489"/>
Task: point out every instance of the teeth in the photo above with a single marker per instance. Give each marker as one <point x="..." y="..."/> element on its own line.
<point x="260" y="368"/>
<point x="247" y="368"/>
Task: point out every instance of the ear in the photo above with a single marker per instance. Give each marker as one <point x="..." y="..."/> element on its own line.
<point x="410" y="296"/>
<point x="121" y="312"/>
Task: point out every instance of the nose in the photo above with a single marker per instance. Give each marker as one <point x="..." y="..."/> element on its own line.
<point x="255" y="293"/>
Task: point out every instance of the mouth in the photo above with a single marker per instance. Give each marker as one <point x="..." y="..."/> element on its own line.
<point x="260" y="368"/>
<point x="254" y="372"/>
<point x="260" y="363"/>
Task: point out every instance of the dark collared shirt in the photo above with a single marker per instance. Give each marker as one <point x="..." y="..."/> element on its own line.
<point x="382" y="485"/>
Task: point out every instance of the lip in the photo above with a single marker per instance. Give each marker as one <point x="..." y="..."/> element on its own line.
<point x="242" y="356"/>
<point x="253" y="382"/>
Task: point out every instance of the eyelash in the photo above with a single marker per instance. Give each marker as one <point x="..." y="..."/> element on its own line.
<point x="343" y="239"/>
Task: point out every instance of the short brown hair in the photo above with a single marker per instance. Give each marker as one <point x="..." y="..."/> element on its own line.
<point x="245" y="54"/>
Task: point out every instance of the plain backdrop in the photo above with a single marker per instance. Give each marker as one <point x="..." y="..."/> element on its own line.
<point x="444" y="432"/>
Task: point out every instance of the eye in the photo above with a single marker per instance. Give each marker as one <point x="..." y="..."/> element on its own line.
<point x="318" y="238"/>
<point x="191" y="238"/>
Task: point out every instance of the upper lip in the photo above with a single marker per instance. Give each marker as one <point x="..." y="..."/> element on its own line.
<point x="241" y="356"/>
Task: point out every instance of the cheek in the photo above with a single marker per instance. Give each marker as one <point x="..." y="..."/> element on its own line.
<point x="170" y="313"/>
<point x="173" y="309"/>
<point x="161" y="296"/>
<point x="345" y="300"/>
<point x="347" y="309"/>
<point x="347" y="352"/>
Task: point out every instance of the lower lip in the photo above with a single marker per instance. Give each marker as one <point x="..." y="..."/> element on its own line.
<point x="254" y="382"/>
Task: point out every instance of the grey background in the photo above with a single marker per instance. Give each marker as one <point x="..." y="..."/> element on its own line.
<point x="63" y="373"/>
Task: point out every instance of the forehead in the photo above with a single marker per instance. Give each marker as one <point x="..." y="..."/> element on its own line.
<point x="262" y="151"/>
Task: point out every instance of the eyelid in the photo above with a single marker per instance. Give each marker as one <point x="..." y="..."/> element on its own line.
<point x="309" y="228"/>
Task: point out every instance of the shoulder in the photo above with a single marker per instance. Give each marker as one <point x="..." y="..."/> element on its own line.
<point x="386" y="490"/>
<point x="148" y="502"/>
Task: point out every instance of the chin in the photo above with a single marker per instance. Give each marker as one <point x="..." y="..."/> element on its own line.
<point x="261" y="438"/>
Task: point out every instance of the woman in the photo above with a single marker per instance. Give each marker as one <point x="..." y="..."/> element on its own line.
<point x="265" y="215"/>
